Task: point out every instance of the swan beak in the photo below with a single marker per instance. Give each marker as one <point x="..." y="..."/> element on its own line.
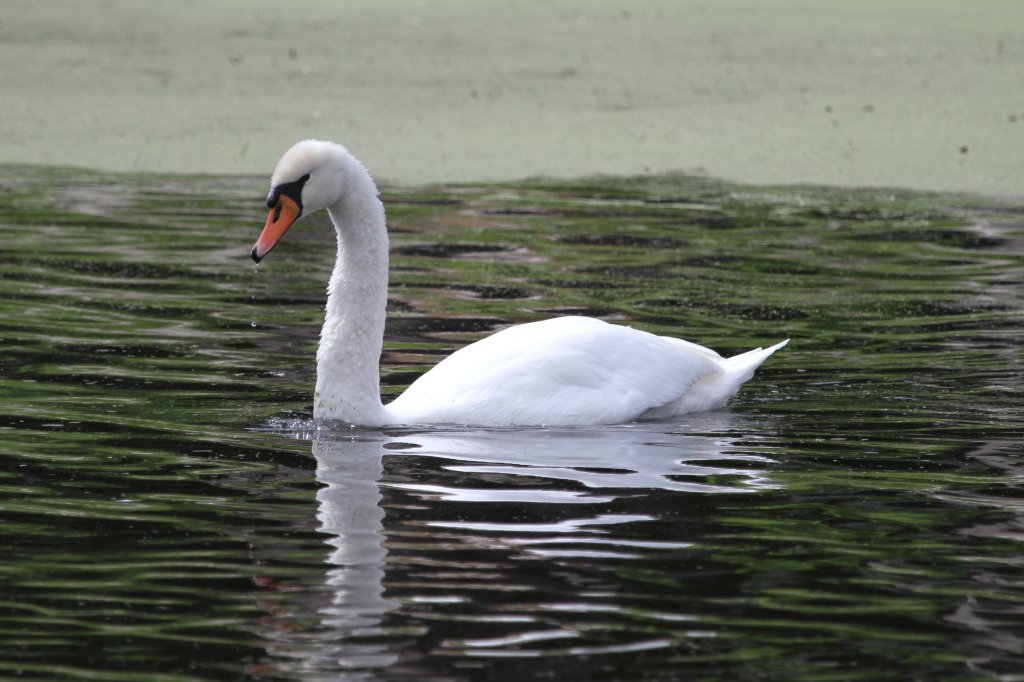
<point x="280" y="218"/>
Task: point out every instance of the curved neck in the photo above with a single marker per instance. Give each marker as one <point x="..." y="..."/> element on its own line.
<point x="347" y="371"/>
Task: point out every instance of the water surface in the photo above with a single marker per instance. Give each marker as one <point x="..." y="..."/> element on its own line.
<point x="169" y="511"/>
<point x="916" y="93"/>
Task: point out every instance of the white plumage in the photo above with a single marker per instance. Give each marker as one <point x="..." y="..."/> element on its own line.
<point x="572" y="371"/>
<point x="563" y="371"/>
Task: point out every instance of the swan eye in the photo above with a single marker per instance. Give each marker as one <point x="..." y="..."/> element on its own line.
<point x="292" y="190"/>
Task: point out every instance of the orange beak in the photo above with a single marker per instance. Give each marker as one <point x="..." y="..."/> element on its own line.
<point x="281" y="217"/>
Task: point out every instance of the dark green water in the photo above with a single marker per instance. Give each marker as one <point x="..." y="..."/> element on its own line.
<point x="168" y="511"/>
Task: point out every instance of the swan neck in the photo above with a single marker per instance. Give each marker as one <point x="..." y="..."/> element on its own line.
<point x="348" y="374"/>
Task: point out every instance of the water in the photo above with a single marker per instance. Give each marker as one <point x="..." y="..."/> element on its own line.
<point x="169" y="512"/>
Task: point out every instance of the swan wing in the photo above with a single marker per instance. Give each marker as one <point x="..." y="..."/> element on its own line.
<point x="564" y="371"/>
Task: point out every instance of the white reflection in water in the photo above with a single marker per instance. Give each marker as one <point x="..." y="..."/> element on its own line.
<point x="632" y="456"/>
<point x="597" y="465"/>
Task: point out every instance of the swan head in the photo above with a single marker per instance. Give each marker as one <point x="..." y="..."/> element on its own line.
<point x="308" y="178"/>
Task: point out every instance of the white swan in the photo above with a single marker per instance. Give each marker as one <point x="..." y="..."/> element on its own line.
<point x="565" y="371"/>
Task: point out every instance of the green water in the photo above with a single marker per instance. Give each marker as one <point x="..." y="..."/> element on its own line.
<point x="169" y="512"/>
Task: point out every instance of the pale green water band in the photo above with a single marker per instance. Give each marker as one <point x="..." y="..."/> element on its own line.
<point x="922" y="94"/>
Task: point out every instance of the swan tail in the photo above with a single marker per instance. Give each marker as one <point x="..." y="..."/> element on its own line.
<point x="712" y="392"/>
<point x="739" y="368"/>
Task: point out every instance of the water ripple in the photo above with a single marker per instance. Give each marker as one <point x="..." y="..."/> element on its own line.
<point x="169" y="510"/>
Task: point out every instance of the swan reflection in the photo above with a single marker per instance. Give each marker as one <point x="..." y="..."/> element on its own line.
<point x="426" y="471"/>
<point x="631" y="456"/>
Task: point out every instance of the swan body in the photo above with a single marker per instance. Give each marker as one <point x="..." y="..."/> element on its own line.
<point x="565" y="371"/>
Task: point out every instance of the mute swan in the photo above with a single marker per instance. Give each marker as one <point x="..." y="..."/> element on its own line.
<point x="564" y="371"/>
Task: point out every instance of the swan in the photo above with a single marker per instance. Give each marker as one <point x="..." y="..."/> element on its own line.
<point x="567" y="371"/>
